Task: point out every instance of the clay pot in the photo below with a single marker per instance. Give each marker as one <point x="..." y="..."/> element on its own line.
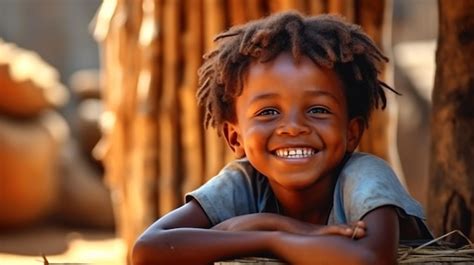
<point x="85" y="200"/>
<point x="29" y="184"/>
<point x="28" y="85"/>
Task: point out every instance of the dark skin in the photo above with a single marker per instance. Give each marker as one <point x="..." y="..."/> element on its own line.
<point x="185" y="236"/>
<point x="292" y="125"/>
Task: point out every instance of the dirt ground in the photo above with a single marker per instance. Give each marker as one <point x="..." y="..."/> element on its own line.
<point x="60" y="245"/>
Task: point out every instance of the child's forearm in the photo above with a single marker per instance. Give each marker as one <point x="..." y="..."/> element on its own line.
<point x="379" y="246"/>
<point x="265" y="222"/>
<point x="198" y="246"/>
<point x="204" y="246"/>
<point x="275" y="222"/>
<point x="298" y="249"/>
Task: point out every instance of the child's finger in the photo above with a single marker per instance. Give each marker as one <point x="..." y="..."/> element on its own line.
<point x="343" y="230"/>
<point x="361" y="224"/>
<point x="358" y="231"/>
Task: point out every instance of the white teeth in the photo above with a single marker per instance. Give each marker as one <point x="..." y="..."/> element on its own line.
<point x="300" y="152"/>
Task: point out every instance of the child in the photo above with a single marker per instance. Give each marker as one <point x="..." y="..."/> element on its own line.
<point x="292" y="96"/>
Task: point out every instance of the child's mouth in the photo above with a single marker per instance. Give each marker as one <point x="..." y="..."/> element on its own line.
<point x="295" y="152"/>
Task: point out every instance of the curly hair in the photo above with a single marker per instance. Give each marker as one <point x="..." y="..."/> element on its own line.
<point x="328" y="40"/>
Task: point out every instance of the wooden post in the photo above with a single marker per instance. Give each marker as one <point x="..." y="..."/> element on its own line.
<point x="144" y="146"/>
<point x="316" y="7"/>
<point x="191" y="124"/>
<point x="215" y="148"/>
<point x="380" y="138"/>
<point x="451" y="191"/>
<point x="237" y="12"/>
<point x="168" y="115"/>
<point x="111" y="146"/>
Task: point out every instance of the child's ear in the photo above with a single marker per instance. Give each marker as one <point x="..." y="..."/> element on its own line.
<point x="233" y="139"/>
<point x="354" y="133"/>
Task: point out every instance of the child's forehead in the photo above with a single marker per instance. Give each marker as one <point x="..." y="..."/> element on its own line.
<point x="285" y="64"/>
<point x="282" y="63"/>
<point x="284" y="73"/>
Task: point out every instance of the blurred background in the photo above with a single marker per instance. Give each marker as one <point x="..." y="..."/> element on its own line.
<point x="99" y="131"/>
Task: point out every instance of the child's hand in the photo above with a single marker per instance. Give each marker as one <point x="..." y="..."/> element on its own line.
<point x="355" y="230"/>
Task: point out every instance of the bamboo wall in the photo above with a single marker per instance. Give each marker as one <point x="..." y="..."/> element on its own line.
<point x="153" y="146"/>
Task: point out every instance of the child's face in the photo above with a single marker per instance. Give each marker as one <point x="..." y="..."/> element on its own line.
<point x="292" y="122"/>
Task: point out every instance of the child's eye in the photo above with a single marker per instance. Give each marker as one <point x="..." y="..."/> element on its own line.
<point x="267" y="112"/>
<point x="318" y="110"/>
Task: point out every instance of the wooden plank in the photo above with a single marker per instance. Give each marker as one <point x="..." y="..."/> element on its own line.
<point x="110" y="147"/>
<point x="192" y="136"/>
<point x="128" y="59"/>
<point x="214" y="21"/>
<point x="237" y="11"/>
<point x="345" y="8"/>
<point x="336" y="6"/>
<point x="380" y="138"/>
<point x="168" y="116"/>
<point x="144" y="146"/>
<point x="316" y="7"/>
<point x="281" y="5"/>
<point x="255" y="9"/>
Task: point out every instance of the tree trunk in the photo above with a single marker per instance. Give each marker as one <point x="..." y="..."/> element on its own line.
<point x="451" y="190"/>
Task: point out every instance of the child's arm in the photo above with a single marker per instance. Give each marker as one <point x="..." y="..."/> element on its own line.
<point x="183" y="237"/>
<point x="379" y="246"/>
<point x="276" y="222"/>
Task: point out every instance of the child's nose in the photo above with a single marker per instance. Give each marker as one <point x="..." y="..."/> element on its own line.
<point x="293" y="125"/>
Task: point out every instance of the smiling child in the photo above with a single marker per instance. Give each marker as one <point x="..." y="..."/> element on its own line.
<point x="292" y="96"/>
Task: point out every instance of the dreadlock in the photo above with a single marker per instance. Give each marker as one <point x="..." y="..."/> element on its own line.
<point x="328" y="40"/>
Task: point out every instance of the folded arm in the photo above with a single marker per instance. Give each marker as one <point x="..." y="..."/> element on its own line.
<point x="184" y="237"/>
<point x="379" y="246"/>
<point x="276" y="222"/>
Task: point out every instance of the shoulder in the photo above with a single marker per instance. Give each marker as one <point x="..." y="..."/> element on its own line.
<point x="367" y="169"/>
<point x="240" y="167"/>
<point x="367" y="182"/>
<point x="366" y="162"/>
<point x="364" y="170"/>
<point x="227" y="194"/>
<point x="236" y="173"/>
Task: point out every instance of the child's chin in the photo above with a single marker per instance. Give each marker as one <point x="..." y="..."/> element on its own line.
<point x="298" y="182"/>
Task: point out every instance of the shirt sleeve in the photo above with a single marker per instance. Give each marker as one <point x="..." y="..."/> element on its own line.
<point x="226" y="195"/>
<point x="367" y="182"/>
